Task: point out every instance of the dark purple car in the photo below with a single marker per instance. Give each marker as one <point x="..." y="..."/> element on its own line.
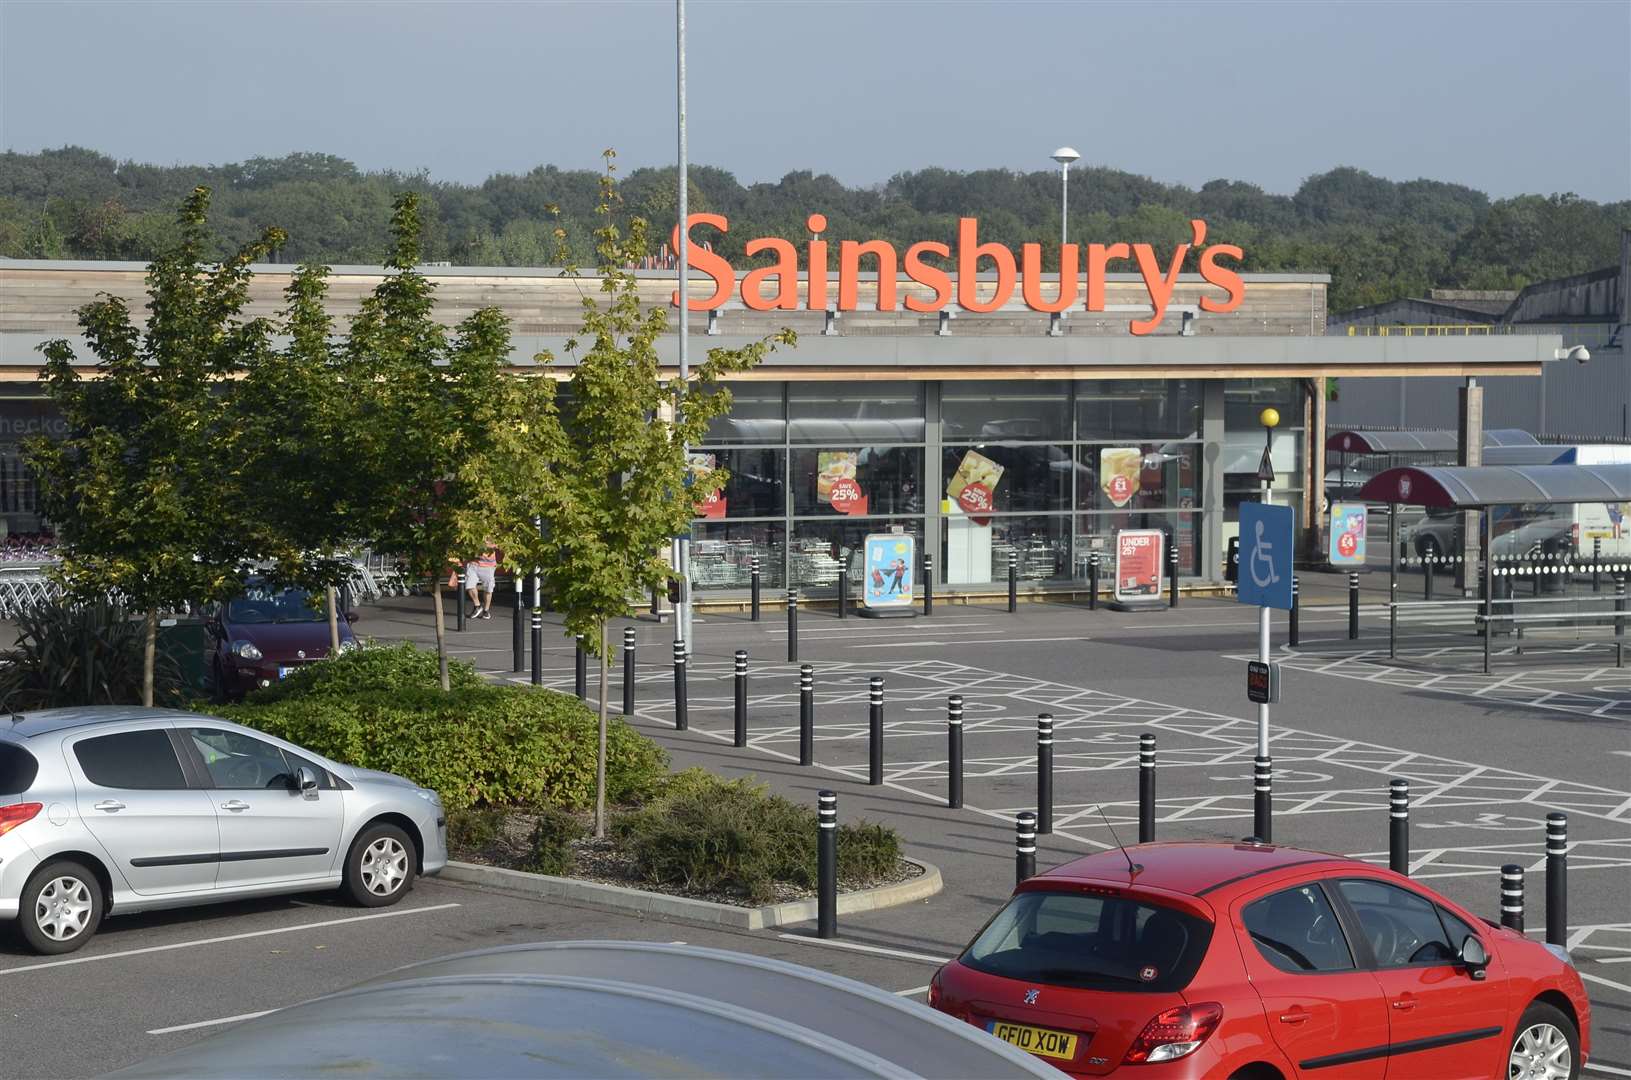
<point x="266" y="632"/>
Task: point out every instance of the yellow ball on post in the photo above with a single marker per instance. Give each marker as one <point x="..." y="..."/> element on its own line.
<point x="1270" y="417"/>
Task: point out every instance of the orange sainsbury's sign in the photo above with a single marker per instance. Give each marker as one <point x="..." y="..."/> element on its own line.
<point x="775" y="287"/>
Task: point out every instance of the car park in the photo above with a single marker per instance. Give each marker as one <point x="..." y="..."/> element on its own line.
<point x="264" y="633"/>
<point x="1250" y="961"/>
<point x="112" y="810"/>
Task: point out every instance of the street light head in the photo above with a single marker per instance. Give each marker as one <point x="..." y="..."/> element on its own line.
<point x="1269" y="418"/>
<point x="1065" y="155"/>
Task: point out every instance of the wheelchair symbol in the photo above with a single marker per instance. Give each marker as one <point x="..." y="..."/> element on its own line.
<point x="1261" y="555"/>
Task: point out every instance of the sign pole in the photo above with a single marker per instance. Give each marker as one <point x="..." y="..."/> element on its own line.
<point x="682" y="617"/>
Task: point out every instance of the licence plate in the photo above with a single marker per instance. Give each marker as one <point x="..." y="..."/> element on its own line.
<point x="283" y="672"/>
<point x="1039" y="1041"/>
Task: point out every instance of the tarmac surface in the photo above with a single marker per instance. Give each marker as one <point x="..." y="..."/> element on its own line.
<point x="1487" y="758"/>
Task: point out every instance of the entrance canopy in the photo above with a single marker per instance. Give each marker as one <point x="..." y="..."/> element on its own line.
<point x="1416" y="442"/>
<point x="1463" y="487"/>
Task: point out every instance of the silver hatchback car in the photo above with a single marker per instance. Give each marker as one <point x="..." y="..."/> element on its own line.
<point x="112" y="810"/>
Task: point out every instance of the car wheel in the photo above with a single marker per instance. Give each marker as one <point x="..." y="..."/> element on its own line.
<point x="60" y="908"/>
<point x="379" y="869"/>
<point x="1545" y="1047"/>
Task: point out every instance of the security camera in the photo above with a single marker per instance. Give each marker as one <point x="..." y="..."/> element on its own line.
<point x="1579" y="354"/>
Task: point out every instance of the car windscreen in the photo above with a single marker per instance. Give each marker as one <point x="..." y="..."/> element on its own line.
<point x="262" y="603"/>
<point x="1091" y="941"/>
<point x="17" y="769"/>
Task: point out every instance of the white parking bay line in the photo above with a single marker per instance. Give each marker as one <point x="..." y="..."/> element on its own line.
<point x="212" y="1023"/>
<point x="227" y="937"/>
<point x="1592" y="1066"/>
<point x="854" y="947"/>
<point x="913" y="992"/>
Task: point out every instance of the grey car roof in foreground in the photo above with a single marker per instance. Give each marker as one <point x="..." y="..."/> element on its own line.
<point x="603" y="1009"/>
<point x="47" y="721"/>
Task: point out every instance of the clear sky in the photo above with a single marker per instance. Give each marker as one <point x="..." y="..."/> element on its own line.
<point x="1507" y="97"/>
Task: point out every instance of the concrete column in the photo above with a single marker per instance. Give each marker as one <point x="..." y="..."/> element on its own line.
<point x="1211" y="479"/>
<point x="1470" y="451"/>
<point x="1314" y="469"/>
<point x="934" y="484"/>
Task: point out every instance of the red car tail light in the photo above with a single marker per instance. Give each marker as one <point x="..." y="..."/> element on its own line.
<point x="1175" y="1033"/>
<point x="936" y="995"/>
<point x="17" y="813"/>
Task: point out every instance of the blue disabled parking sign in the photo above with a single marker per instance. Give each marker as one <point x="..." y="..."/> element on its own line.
<point x="1265" y="555"/>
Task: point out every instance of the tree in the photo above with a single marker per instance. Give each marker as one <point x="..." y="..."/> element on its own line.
<point x="622" y="485"/>
<point x="133" y="489"/>
<point x="431" y="420"/>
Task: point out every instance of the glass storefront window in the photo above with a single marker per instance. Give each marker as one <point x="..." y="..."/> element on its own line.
<point x="1006" y="409"/>
<point x="1139" y="476"/>
<point x="1138" y="409"/>
<point x="887" y="480"/>
<point x="820" y="548"/>
<point x="856" y="412"/>
<point x="975" y="550"/>
<point x="1035" y="477"/>
<point x="757" y="483"/>
<point x="1097" y="532"/>
<point x="755" y="415"/>
<point x="722" y="554"/>
<point x="1243" y="439"/>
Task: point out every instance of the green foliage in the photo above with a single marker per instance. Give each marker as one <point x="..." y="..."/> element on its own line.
<point x="75" y="653"/>
<point x="475" y="828"/>
<point x="59" y="203"/>
<point x="371" y="669"/>
<point x="549" y="846"/>
<point x="477" y="745"/>
<point x="714" y="835"/>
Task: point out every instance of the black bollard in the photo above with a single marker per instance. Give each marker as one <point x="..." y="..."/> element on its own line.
<point x="1044" y="773"/>
<point x="682" y="719"/>
<point x="1398" y="826"/>
<point x="1353" y="607"/>
<point x="628" y="671"/>
<point x="792" y="625"/>
<point x="928" y="584"/>
<point x="1427" y="565"/>
<point x="1146" y="788"/>
<point x="1093" y="581"/>
<point x="1619" y="606"/>
<point x="875" y="731"/>
<point x="580" y="663"/>
<point x="1172" y="575"/>
<point x="1294" y="617"/>
<point x="753" y="577"/>
<point x="1013" y="582"/>
<point x="1557" y="879"/>
<point x="827" y="864"/>
<point x="458" y="600"/>
<point x="843" y="594"/>
<point x="954" y="751"/>
<point x="1024" y="847"/>
<point x="1512" y="897"/>
<point x="1263" y="799"/>
<point x="1596" y="564"/>
<point x="537" y="621"/>
<point x="806" y="715"/>
<point x="740" y="738"/>
<point x="518" y="627"/>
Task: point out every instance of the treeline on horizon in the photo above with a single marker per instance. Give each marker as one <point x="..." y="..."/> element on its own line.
<point x="1378" y="239"/>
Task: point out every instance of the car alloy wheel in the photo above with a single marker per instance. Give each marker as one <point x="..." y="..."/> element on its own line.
<point x="1540" y="1052"/>
<point x="63" y="909"/>
<point x="384" y="866"/>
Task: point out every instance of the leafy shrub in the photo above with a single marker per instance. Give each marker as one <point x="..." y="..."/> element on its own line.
<point x="549" y="848"/>
<point x="373" y="667"/>
<point x="474" y="828"/>
<point x="477" y="745"/>
<point x="730" y="836"/>
<point x="82" y="654"/>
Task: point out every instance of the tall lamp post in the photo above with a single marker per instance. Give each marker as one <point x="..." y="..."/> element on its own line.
<point x="1270" y="419"/>
<point x="1064" y="156"/>
<point x="682" y="544"/>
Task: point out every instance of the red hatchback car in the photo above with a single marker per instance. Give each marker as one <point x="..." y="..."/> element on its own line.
<point x="1252" y="962"/>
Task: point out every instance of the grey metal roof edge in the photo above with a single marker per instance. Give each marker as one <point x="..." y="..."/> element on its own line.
<point x="353" y="270"/>
<point x="996" y="352"/>
<point x="1553" y="484"/>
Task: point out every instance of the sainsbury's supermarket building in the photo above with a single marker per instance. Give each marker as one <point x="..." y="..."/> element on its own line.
<point x="983" y="432"/>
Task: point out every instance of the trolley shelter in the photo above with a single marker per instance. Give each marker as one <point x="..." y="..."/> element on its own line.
<point x="1482" y="489"/>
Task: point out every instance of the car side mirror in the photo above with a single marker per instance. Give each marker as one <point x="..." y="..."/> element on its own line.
<point x="306" y="782"/>
<point x="1474" y="957"/>
<point x="351" y="616"/>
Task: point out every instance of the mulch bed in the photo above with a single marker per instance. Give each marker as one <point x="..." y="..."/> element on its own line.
<point x="602" y="861"/>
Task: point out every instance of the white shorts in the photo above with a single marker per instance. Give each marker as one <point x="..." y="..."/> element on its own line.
<point x="478" y="577"/>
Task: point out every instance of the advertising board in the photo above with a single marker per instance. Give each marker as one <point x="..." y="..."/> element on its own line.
<point x="887" y="578"/>
<point x="1347" y="534"/>
<point x="1139" y="564"/>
